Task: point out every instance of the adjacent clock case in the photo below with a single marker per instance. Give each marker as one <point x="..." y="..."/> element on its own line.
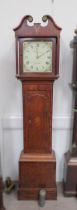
<point x="70" y="158"/>
<point x="37" y="164"/>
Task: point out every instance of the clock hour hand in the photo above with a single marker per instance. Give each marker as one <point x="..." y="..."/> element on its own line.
<point x="42" y="54"/>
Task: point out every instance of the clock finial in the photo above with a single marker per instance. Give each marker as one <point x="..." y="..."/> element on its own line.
<point x="73" y="43"/>
<point x="44" y="18"/>
<point x="30" y="18"/>
<point x="75" y="31"/>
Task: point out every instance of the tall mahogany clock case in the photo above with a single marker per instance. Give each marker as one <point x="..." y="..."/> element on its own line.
<point x="70" y="158"/>
<point x="37" y="66"/>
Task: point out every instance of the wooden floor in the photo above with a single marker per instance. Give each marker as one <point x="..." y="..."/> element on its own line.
<point x="62" y="203"/>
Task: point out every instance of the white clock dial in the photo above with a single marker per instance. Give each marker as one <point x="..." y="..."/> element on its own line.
<point x="37" y="56"/>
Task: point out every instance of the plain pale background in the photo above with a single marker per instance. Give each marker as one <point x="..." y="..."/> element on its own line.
<point x="11" y="137"/>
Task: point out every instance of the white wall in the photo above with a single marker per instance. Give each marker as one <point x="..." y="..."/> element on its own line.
<point x="11" y="140"/>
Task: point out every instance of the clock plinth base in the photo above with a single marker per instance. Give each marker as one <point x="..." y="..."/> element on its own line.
<point x="70" y="175"/>
<point x="37" y="171"/>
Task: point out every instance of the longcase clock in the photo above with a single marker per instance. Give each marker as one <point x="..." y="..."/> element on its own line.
<point x="37" y="66"/>
<point x="70" y="158"/>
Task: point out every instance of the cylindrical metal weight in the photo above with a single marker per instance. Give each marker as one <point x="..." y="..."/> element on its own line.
<point x="42" y="197"/>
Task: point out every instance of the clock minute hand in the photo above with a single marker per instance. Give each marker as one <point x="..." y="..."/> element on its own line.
<point x="37" y="52"/>
<point x="42" y="54"/>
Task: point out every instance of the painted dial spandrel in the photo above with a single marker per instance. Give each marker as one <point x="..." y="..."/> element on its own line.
<point x="37" y="56"/>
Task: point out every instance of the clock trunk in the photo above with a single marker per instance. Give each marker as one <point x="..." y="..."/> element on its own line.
<point x="37" y="112"/>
